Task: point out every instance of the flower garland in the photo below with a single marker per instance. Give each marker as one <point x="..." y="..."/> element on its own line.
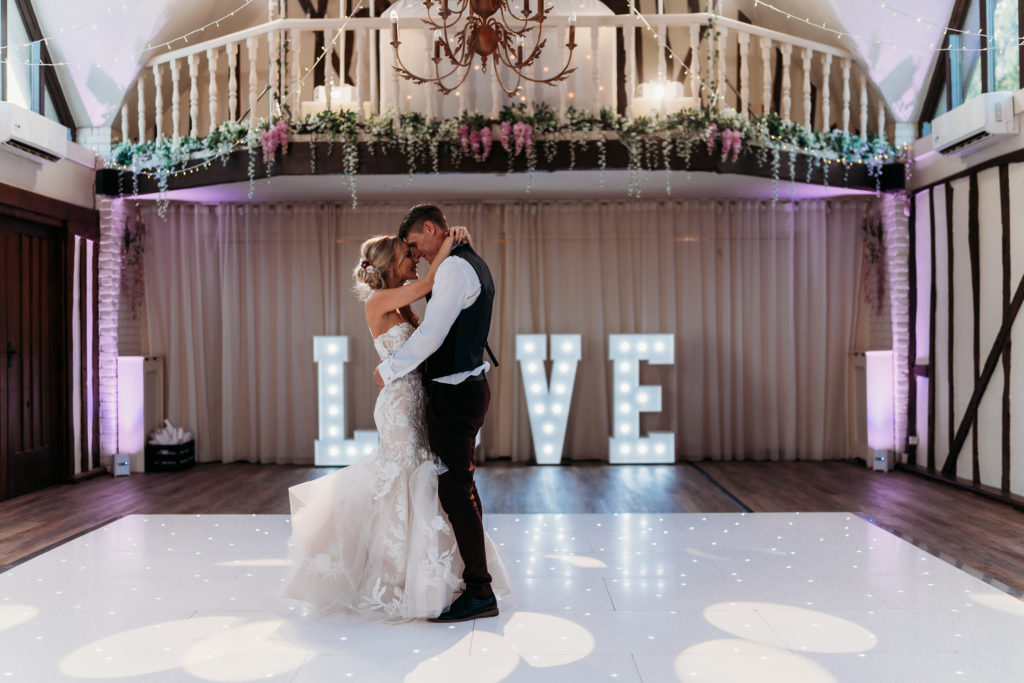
<point x="650" y="141"/>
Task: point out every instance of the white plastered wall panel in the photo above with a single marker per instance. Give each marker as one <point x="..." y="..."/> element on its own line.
<point x="963" y="321"/>
<point x="940" y="365"/>
<point x="990" y="318"/>
<point x="1016" y="182"/>
<point x="923" y="260"/>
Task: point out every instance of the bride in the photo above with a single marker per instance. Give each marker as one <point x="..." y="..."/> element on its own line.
<point x="372" y="537"/>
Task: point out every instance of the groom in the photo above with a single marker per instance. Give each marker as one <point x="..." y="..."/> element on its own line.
<point x="450" y="346"/>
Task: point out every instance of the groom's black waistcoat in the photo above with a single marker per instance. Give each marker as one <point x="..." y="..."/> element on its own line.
<point x="463" y="349"/>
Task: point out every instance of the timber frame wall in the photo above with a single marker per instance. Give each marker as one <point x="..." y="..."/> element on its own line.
<point x="967" y="284"/>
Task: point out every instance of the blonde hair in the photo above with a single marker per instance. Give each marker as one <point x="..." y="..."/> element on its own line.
<point x="376" y="260"/>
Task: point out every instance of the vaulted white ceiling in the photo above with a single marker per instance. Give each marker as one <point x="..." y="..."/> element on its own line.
<point x="105" y="42"/>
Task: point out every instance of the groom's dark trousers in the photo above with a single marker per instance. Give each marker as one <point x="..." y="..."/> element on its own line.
<point x="455" y="413"/>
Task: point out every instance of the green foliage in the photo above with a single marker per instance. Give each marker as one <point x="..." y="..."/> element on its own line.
<point x="651" y="141"/>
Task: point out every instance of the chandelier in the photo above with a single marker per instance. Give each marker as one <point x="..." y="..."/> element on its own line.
<point x="492" y="31"/>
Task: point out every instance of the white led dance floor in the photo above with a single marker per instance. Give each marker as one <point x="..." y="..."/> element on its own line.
<point x="809" y="598"/>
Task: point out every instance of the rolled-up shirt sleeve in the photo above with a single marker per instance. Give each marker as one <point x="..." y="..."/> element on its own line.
<point x="452" y="289"/>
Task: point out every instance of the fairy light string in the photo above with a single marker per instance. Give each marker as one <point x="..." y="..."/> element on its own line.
<point x="777" y="140"/>
<point x="132" y="168"/>
<point x="92" y="25"/>
<point x="896" y="46"/>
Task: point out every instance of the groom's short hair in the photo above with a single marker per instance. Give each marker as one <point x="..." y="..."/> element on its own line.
<point x="413" y="221"/>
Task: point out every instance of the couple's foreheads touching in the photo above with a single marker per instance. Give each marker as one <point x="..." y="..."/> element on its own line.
<point x="387" y="261"/>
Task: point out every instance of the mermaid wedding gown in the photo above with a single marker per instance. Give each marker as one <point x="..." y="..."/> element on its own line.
<point x="372" y="537"/>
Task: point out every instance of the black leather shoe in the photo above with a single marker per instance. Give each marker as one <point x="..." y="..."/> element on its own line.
<point x="467" y="607"/>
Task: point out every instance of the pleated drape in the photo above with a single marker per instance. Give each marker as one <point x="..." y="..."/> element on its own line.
<point x="761" y="298"/>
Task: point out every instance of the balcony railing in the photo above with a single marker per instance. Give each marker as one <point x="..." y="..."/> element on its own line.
<point x="258" y="72"/>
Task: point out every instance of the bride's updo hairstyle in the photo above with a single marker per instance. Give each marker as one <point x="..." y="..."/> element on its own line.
<point x="376" y="259"/>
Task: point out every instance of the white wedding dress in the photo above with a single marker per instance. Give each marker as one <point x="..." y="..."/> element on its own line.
<point x="372" y="537"/>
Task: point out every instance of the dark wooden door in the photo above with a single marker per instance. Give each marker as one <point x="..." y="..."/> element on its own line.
<point x="32" y="424"/>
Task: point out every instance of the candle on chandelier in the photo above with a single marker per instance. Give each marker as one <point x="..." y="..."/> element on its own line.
<point x="572" y="28"/>
<point x="519" y="48"/>
<point x="437" y="44"/>
<point x="526" y="7"/>
<point x="394" y="26"/>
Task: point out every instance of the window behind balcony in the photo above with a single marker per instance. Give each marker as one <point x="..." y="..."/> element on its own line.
<point x="25" y="79"/>
<point x="982" y="53"/>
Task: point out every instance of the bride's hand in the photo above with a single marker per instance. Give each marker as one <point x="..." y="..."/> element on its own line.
<point x="460" y="234"/>
<point x="446" y="248"/>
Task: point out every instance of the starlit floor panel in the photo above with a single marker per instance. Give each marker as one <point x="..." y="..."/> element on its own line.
<point x="809" y="598"/>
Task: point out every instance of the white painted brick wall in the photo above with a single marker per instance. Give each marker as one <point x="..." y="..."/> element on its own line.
<point x="112" y="217"/>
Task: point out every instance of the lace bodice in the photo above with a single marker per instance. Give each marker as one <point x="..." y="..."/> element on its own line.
<point x="392" y="339"/>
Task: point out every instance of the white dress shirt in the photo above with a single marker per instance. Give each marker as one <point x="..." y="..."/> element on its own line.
<point x="456" y="287"/>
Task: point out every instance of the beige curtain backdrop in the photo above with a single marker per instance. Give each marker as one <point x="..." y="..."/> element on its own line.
<point x="762" y="300"/>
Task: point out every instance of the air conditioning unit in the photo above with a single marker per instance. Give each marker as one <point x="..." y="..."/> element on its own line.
<point x="978" y="122"/>
<point x="31" y="135"/>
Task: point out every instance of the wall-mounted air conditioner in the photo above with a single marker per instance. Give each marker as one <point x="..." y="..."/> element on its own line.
<point x="31" y="135"/>
<point x="978" y="122"/>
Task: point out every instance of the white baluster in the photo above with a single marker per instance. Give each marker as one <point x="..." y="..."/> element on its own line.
<point x="158" y="103"/>
<point x="328" y="68"/>
<point x="140" y="91"/>
<point x="787" y="53"/>
<point x="720" y="89"/>
<point x="362" y="69"/>
<point x="211" y="57"/>
<point x="881" y="120"/>
<point x="175" y="99"/>
<point x="846" y="94"/>
<point x="863" y="107"/>
<point x="744" y="45"/>
<point x="806" y="64"/>
<point x="295" y="41"/>
<point x="496" y="92"/>
<point x="595" y="78"/>
<point x="694" y="63"/>
<point x="662" y="44"/>
<point x="124" y="123"/>
<point x="826" y="104"/>
<point x="395" y="94"/>
<point x="250" y="43"/>
<point x="193" y="95"/>
<point x="766" y="75"/>
<point x="630" y="31"/>
<point x="232" y="81"/>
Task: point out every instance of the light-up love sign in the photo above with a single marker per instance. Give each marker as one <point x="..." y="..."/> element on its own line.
<point x="548" y="403"/>
<point x="629" y="399"/>
<point x="332" y="448"/>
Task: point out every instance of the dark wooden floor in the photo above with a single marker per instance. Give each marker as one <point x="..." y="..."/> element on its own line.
<point x="979" y="533"/>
